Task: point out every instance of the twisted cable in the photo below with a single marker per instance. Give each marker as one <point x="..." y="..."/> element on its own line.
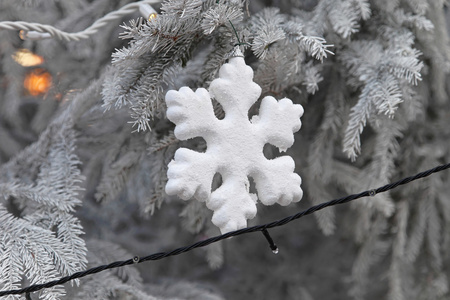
<point x="76" y="36"/>
<point x="262" y="227"/>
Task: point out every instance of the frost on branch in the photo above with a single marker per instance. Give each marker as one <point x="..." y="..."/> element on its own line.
<point x="235" y="147"/>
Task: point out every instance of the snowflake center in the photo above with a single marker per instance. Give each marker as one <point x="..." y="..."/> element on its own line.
<point x="244" y="152"/>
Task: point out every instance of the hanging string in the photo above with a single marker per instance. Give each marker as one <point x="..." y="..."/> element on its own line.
<point x="239" y="43"/>
<point x="263" y="227"/>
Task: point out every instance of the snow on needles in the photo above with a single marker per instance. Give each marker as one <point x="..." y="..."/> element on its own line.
<point x="234" y="146"/>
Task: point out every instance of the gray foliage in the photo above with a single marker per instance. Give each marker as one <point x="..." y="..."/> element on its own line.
<point x="83" y="166"/>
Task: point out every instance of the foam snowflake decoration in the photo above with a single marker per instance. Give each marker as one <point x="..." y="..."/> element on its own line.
<point x="234" y="146"/>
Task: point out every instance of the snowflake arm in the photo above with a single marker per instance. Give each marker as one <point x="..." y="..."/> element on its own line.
<point x="235" y="89"/>
<point x="186" y="107"/>
<point x="276" y="181"/>
<point x="278" y="133"/>
<point x="190" y="175"/>
<point x="232" y="215"/>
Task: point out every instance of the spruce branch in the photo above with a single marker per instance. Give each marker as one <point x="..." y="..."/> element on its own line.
<point x="418" y="21"/>
<point x="363" y="6"/>
<point x="357" y="121"/>
<point x="313" y="45"/>
<point x="267" y="29"/>
<point x="312" y="78"/>
<point x="344" y="18"/>
<point x="221" y="15"/>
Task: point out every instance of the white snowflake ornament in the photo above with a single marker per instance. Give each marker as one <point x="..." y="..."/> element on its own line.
<point x="234" y="146"/>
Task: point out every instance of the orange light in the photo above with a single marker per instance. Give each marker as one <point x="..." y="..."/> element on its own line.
<point x="152" y="16"/>
<point x="37" y="82"/>
<point x="26" y="58"/>
<point x="23" y="34"/>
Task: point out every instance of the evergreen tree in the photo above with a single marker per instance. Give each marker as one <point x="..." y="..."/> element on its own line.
<point x="85" y="145"/>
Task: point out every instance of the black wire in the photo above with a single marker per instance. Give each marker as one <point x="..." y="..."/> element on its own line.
<point x="270" y="241"/>
<point x="281" y="222"/>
